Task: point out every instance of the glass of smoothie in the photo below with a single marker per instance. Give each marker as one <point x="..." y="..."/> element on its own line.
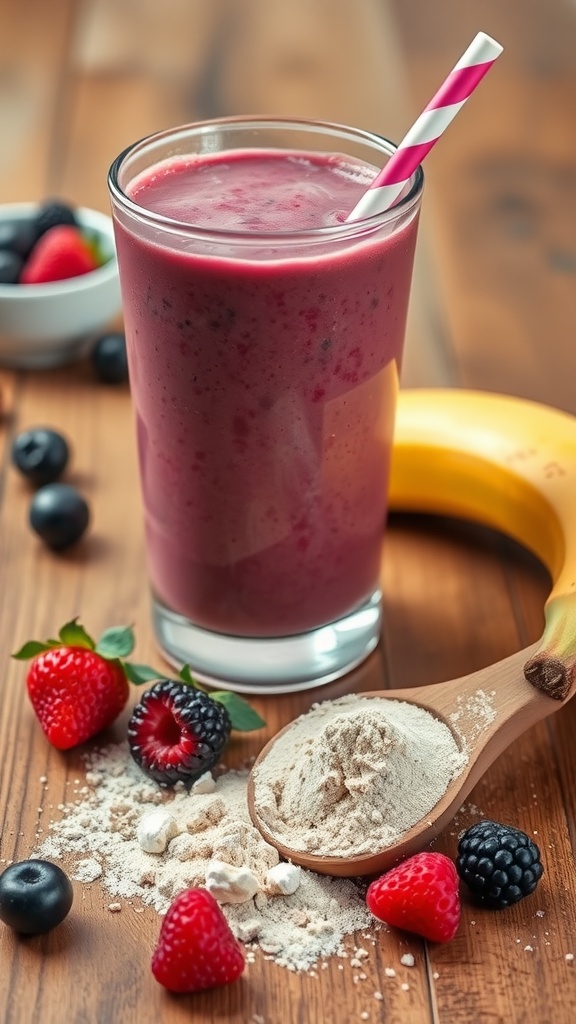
<point x="265" y="337"/>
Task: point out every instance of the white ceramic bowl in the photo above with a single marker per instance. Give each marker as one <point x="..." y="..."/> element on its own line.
<point x="44" y="325"/>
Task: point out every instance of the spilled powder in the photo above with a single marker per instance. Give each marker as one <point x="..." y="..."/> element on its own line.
<point x="352" y="775"/>
<point x="97" y="838"/>
<point x="474" y="713"/>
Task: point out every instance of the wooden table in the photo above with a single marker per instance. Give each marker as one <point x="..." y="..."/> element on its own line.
<point x="494" y="307"/>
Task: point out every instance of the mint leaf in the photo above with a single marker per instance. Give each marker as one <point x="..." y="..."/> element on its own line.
<point x="116" y="642"/>
<point x="30" y="650"/>
<point x="74" y="635"/>
<point x="242" y="715"/>
<point x="186" y="676"/>
<point x="139" y="674"/>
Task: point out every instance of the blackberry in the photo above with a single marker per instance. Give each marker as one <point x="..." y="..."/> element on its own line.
<point x="176" y="733"/>
<point x="52" y="214"/>
<point x="499" y="864"/>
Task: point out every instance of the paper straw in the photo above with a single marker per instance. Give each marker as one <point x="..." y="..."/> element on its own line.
<point x="427" y="129"/>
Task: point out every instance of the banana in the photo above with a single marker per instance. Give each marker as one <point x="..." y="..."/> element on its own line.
<point x="509" y="464"/>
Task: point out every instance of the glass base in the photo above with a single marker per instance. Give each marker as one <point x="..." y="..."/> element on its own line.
<point x="270" y="664"/>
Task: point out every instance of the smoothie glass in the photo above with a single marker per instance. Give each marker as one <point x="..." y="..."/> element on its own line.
<point x="265" y="338"/>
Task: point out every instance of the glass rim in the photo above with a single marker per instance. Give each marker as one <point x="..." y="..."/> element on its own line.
<point x="335" y="231"/>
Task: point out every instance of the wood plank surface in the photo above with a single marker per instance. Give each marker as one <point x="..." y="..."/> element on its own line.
<point x="493" y="307"/>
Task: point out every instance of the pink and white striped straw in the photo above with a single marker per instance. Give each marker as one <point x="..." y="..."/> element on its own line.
<point x="427" y="129"/>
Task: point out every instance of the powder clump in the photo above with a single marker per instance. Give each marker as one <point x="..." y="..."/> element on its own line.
<point x="202" y="838"/>
<point x="352" y="775"/>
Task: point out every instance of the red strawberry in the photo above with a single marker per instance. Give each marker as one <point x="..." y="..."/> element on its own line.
<point x="196" y="948"/>
<point x="78" y="687"/>
<point x="60" y="253"/>
<point x="420" y="895"/>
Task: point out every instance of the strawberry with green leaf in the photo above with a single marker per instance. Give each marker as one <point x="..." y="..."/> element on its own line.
<point x="78" y="686"/>
<point x="178" y="730"/>
<point x="61" y="253"/>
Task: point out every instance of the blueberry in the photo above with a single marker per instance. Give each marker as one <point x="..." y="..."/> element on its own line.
<point x="41" y="455"/>
<point x="17" y="236"/>
<point x="59" y="515"/>
<point x="35" y="896"/>
<point x="109" y="358"/>
<point x="10" y="266"/>
<point x="51" y="214"/>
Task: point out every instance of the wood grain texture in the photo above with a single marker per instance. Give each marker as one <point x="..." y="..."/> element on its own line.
<point x="501" y="197"/>
<point x="493" y="307"/>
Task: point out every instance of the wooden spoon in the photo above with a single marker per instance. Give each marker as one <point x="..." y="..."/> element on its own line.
<point x="524" y="689"/>
<point x="511" y="465"/>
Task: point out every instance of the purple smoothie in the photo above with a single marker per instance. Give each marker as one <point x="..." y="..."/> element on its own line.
<point x="264" y="384"/>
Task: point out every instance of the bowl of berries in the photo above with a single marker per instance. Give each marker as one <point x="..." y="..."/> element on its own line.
<point x="59" y="284"/>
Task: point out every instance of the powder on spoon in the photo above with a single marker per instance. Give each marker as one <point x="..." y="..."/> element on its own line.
<point x="352" y="775"/>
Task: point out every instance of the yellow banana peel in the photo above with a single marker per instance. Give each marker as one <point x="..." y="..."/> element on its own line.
<point x="509" y="464"/>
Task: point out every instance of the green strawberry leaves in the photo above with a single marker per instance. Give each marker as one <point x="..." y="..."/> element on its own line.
<point x="31" y="649"/>
<point x="73" y="634"/>
<point x="242" y="715"/>
<point x="97" y="246"/>
<point x="116" y="644"/>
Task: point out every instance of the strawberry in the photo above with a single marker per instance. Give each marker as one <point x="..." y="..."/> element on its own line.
<point x="78" y="687"/>
<point x="196" y="948"/>
<point x="60" y="253"/>
<point x="420" y="895"/>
